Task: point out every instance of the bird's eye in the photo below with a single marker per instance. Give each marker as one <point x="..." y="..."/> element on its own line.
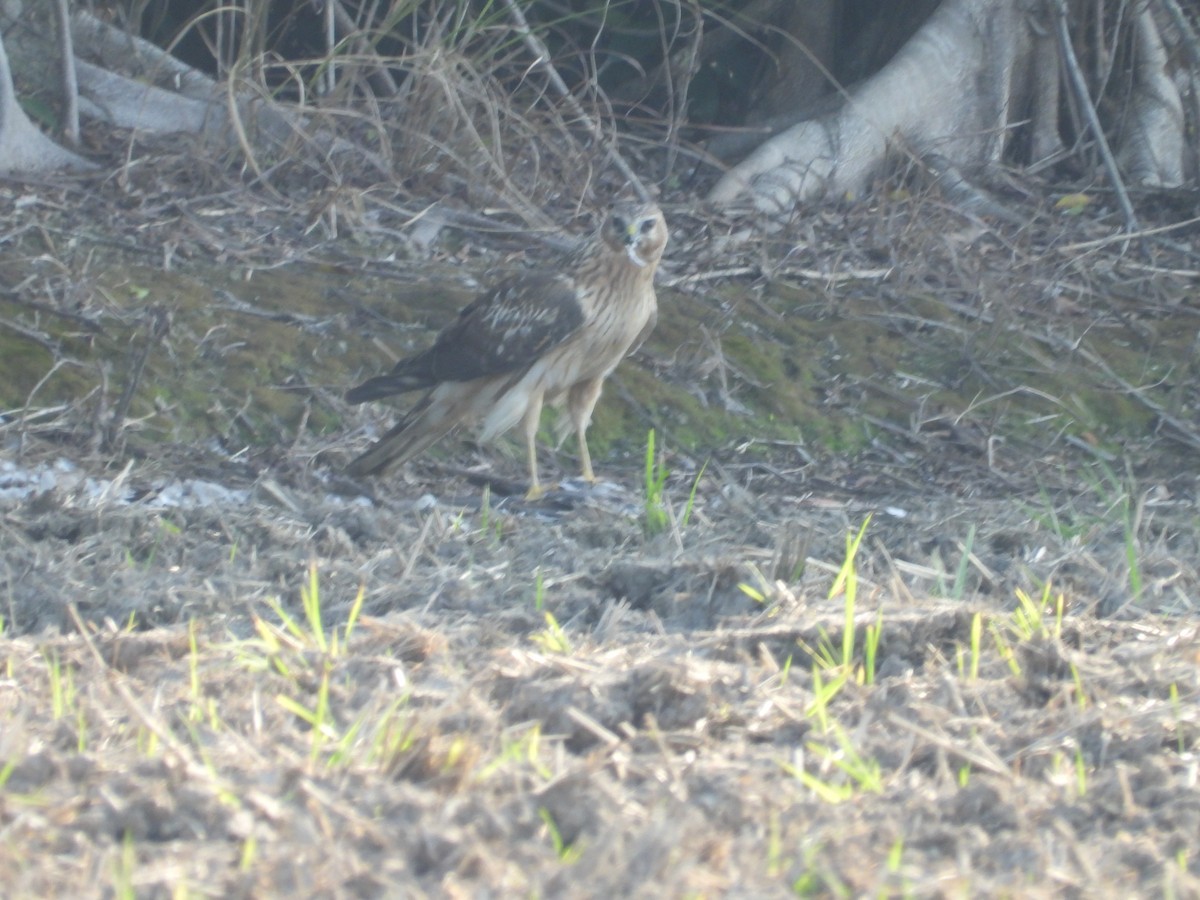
<point x="647" y="226"/>
<point x="618" y="223"/>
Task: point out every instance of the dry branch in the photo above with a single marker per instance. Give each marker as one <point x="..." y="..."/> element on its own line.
<point x="1079" y="85"/>
<point x="542" y="59"/>
<point x="70" y="85"/>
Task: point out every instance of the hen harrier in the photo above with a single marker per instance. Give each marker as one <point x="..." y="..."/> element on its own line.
<point x="537" y="337"/>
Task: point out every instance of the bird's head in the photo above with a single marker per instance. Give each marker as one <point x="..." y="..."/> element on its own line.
<point x="638" y="231"/>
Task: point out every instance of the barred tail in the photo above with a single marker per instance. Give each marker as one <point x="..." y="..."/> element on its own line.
<point x="420" y="429"/>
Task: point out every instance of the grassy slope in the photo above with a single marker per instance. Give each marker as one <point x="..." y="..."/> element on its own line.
<point x="675" y="727"/>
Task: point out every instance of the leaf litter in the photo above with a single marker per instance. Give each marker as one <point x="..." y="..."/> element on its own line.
<point x="291" y="684"/>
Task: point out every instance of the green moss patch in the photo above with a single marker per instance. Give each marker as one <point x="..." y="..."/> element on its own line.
<point x="248" y="358"/>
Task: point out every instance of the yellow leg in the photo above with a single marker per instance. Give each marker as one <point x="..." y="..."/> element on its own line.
<point x="585" y="458"/>
<point x="533" y="416"/>
<point x="581" y="400"/>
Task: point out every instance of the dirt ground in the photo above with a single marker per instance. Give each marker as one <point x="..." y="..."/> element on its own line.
<point x="232" y="672"/>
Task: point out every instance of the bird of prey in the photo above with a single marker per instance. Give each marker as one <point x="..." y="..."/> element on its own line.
<point x="545" y="336"/>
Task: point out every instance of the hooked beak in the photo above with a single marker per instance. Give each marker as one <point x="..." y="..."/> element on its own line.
<point x="631" y="245"/>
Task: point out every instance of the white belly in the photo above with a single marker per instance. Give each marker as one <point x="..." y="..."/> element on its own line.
<point x="593" y="354"/>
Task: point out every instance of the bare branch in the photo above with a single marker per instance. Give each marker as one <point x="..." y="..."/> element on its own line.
<point x="1079" y="84"/>
<point x="70" y="86"/>
<point x="542" y="60"/>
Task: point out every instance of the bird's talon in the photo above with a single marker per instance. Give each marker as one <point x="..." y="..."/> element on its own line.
<point x="537" y="492"/>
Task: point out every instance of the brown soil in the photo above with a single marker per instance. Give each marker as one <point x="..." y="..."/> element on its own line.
<point x="506" y="699"/>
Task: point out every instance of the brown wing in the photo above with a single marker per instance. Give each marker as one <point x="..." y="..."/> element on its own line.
<point x="505" y="329"/>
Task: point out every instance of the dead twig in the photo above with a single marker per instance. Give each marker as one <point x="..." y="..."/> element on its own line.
<point x="1072" y="249"/>
<point x="70" y="84"/>
<point x="542" y="60"/>
<point x="1190" y="42"/>
<point x="89" y="325"/>
<point x="1079" y="85"/>
<point x="265" y="806"/>
<point x="980" y="755"/>
<point x="827" y="278"/>
<point x="160" y="324"/>
<point x="1182" y="430"/>
<point x="378" y="75"/>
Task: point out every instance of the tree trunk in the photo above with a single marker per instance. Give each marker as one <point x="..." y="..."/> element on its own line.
<point x="24" y="150"/>
<point x="126" y="82"/>
<point x="978" y="72"/>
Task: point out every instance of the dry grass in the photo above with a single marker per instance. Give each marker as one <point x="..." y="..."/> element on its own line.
<point x="568" y="699"/>
<point x="681" y="735"/>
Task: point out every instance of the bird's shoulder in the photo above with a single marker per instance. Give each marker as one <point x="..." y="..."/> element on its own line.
<point x="525" y="299"/>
